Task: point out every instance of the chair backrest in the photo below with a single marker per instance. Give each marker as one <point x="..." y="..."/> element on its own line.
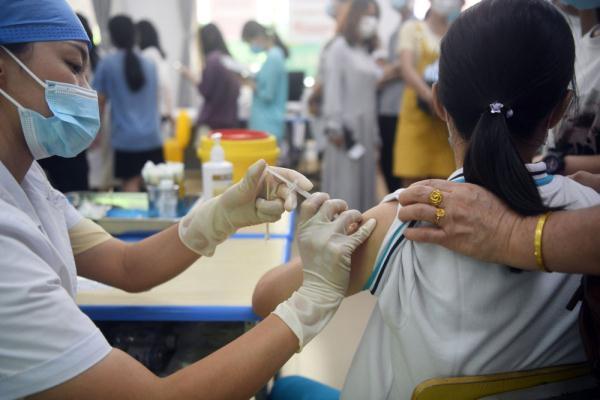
<point x="476" y="387"/>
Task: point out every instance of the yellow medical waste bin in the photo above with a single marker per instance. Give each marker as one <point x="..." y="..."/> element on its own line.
<point x="242" y="148"/>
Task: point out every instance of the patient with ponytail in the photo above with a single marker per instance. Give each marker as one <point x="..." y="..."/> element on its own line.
<point x="505" y="79"/>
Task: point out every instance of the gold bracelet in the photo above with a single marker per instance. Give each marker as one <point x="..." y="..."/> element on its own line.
<point x="537" y="242"/>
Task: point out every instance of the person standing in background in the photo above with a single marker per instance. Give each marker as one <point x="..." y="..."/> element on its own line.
<point x="421" y="149"/>
<point x="335" y="9"/>
<point x="71" y="174"/>
<point x="220" y="85"/>
<point x="391" y="90"/>
<point x="100" y="157"/>
<point x="575" y="144"/>
<point x="130" y="83"/>
<point x="270" y="86"/>
<point x="350" y="108"/>
<point x="149" y="43"/>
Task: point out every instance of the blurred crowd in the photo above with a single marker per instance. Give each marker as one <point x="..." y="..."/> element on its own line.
<point x="370" y="109"/>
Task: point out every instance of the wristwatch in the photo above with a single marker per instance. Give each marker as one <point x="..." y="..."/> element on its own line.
<point x="555" y="162"/>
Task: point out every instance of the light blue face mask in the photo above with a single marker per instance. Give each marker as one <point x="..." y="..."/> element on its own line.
<point x="582" y="4"/>
<point x="256" y="48"/>
<point x="398" y="5"/>
<point x="71" y="129"/>
<point x="453" y="15"/>
<point x="331" y="9"/>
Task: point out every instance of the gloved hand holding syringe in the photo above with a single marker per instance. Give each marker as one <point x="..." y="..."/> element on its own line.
<point x="292" y="187"/>
<point x="260" y="197"/>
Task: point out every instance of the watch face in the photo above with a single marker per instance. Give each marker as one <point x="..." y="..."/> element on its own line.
<point x="552" y="163"/>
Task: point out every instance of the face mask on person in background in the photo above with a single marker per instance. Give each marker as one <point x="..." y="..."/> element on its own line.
<point x="448" y="8"/>
<point x="398" y="5"/>
<point x="71" y="129"/>
<point x="331" y="8"/>
<point x="367" y="28"/>
<point x="256" y="48"/>
<point x="582" y="4"/>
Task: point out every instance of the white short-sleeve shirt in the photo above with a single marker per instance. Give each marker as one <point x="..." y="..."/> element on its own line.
<point x="443" y="314"/>
<point x="45" y="339"/>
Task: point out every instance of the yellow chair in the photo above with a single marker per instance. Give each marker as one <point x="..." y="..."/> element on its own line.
<point x="174" y="148"/>
<point x="476" y="387"/>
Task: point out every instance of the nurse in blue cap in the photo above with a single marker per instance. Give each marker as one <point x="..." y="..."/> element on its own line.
<point x="48" y="348"/>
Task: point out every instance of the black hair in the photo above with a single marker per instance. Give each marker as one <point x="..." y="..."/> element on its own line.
<point x="93" y="50"/>
<point x="17" y="48"/>
<point x="147" y="36"/>
<point x="122" y="34"/>
<point x="253" y="29"/>
<point x="211" y="39"/>
<point x="522" y="55"/>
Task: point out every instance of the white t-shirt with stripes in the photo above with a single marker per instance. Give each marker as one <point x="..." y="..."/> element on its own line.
<point x="443" y="314"/>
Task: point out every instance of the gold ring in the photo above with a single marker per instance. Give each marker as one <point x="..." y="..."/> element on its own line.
<point x="436" y="198"/>
<point x="439" y="214"/>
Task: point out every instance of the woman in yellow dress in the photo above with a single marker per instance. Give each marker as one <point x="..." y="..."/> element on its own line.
<point x="421" y="149"/>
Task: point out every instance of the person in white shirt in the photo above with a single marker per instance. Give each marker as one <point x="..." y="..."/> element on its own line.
<point x="439" y="313"/>
<point x="149" y="42"/>
<point x="48" y="348"/>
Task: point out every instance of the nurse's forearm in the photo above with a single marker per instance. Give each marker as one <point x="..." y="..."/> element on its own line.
<point x="157" y="259"/>
<point x="241" y="368"/>
<point x="236" y="371"/>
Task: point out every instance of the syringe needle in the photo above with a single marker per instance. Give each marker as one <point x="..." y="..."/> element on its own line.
<point x="291" y="185"/>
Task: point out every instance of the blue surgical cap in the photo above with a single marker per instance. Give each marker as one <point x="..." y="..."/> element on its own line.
<point x="25" y="21"/>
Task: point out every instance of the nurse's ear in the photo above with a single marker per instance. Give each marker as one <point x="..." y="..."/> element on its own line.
<point x="437" y="104"/>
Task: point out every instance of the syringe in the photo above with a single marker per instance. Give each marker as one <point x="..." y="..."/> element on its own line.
<point x="293" y="186"/>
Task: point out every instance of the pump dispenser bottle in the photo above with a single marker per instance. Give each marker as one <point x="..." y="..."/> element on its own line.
<point x="217" y="174"/>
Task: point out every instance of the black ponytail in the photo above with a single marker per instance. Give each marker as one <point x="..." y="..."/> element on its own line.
<point x="134" y="74"/>
<point x="517" y="53"/>
<point x="493" y="161"/>
<point x="279" y="43"/>
<point x="147" y="36"/>
<point x="122" y="33"/>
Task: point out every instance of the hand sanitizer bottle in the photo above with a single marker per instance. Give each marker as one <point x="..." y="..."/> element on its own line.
<point x="217" y="174"/>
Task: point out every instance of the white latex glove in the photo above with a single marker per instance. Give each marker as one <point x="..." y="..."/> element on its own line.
<point x="326" y="250"/>
<point x="244" y="204"/>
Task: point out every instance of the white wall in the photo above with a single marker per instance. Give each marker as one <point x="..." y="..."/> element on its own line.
<point x="85" y="8"/>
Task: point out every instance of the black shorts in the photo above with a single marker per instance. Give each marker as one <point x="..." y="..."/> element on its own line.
<point x="129" y="164"/>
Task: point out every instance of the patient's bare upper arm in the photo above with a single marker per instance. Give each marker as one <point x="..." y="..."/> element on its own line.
<point x="365" y="256"/>
<point x="279" y="283"/>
